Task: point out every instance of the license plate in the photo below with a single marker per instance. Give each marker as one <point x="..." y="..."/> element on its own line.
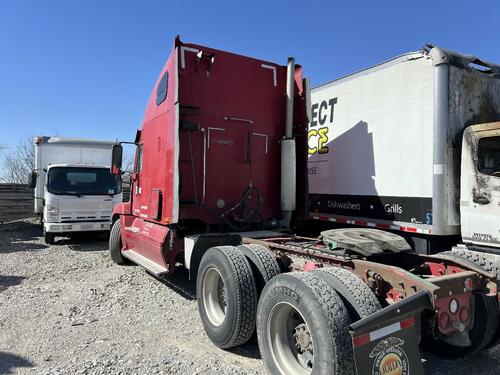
<point x="86" y="226"/>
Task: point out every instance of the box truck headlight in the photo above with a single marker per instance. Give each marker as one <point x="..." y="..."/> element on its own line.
<point x="52" y="209"/>
<point x="52" y="212"/>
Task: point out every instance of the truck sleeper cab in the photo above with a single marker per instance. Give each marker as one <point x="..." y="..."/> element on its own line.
<point x="207" y="159"/>
<point x="210" y="162"/>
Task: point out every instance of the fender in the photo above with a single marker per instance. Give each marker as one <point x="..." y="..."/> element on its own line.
<point x="124" y="208"/>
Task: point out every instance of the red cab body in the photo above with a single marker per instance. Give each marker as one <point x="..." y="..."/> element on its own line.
<point x="208" y="152"/>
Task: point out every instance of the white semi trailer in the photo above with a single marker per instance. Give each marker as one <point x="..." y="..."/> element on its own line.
<point x="411" y="145"/>
<point x="73" y="189"/>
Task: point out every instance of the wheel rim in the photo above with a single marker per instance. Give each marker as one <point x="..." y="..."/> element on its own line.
<point x="214" y="297"/>
<point x="290" y="340"/>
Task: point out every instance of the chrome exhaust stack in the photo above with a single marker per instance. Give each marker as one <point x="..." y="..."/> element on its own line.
<point x="288" y="151"/>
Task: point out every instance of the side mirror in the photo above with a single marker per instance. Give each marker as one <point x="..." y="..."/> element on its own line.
<point x="116" y="160"/>
<point x="32" y="180"/>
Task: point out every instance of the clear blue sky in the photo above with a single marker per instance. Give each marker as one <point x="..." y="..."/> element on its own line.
<point x="86" y="68"/>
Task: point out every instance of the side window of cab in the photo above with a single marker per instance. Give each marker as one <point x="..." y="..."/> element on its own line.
<point x="161" y="91"/>
<point x="138" y="160"/>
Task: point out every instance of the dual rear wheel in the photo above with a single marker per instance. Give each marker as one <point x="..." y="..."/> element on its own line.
<point x="301" y="319"/>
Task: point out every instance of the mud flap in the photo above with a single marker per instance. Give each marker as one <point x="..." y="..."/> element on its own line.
<point x="387" y="342"/>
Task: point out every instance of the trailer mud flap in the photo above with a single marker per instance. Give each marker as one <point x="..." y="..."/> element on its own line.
<point x="386" y="343"/>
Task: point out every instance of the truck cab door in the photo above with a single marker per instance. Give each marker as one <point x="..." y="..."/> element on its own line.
<point x="480" y="185"/>
<point x="136" y="189"/>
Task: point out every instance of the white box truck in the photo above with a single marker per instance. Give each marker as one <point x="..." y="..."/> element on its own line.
<point x="399" y="146"/>
<point x="73" y="188"/>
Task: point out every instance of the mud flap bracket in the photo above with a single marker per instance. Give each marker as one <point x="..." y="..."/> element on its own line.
<point x="388" y="341"/>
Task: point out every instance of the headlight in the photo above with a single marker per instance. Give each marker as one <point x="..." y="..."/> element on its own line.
<point x="52" y="209"/>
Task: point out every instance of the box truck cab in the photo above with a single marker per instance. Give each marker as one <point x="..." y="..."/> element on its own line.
<point x="400" y="146"/>
<point x="74" y="191"/>
<point x="480" y="185"/>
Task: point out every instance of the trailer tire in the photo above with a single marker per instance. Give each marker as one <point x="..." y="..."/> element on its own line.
<point x="356" y="295"/>
<point x="481" y="334"/>
<point x="226" y="296"/>
<point x="48" y="237"/>
<point x="302" y="327"/>
<point x="115" y="244"/>
<point x="263" y="264"/>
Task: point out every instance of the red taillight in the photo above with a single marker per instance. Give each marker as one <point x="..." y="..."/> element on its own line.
<point x="444" y="320"/>
<point x="469" y="285"/>
<point x="464" y="314"/>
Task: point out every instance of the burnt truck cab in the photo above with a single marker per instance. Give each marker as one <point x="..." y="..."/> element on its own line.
<point x="480" y="186"/>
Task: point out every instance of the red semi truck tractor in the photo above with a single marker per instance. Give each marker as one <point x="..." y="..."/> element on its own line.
<point x="221" y="173"/>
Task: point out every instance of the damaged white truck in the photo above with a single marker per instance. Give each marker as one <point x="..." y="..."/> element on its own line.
<point x="411" y="145"/>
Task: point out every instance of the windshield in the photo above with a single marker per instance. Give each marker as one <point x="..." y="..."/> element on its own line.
<point x="489" y="155"/>
<point x="82" y="181"/>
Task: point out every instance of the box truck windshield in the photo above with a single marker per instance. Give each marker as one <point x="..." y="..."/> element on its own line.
<point x="82" y="181"/>
<point x="489" y="156"/>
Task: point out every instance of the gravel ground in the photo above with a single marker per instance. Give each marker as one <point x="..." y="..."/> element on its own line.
<point x="67" y="309"/>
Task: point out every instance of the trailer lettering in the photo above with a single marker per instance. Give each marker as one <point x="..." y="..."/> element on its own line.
<point x="317" y="140"/>
<point x="314" y="113"/>
<point x="322" y="114"/>
<point x="393" y="208"/>
<point x="344" y="205"/>
<point x="322" y="117"/>
<point x="332" y="103"/>
<point x="313" y="170"/>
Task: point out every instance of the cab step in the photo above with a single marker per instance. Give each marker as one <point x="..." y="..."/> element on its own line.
<point x="155" y="268"/>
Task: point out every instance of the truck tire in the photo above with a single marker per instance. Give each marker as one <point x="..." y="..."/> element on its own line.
<point x="115" y="244"/>
<point x="481" y="334"/>
<point x="302" y="327"/>
<point x="356" y="295"/>
<point x="226" y="296"/>
<point x="263" y="264"/>
<point x="489" y="262"/>
<point x="48" y="237"/>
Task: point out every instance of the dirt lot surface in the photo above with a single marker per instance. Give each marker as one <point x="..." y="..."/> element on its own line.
<point x="67" y="309"/>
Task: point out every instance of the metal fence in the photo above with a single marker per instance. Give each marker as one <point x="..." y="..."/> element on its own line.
<point x="16" y="202"/>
